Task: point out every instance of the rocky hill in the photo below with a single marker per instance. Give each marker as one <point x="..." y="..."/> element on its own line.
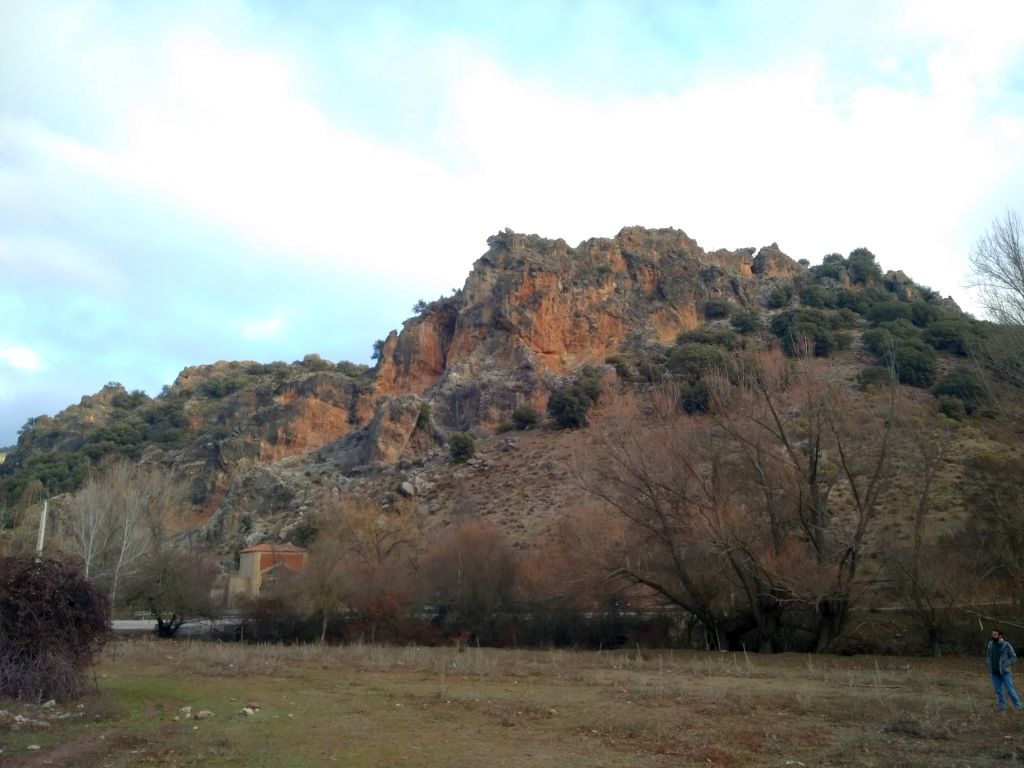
<point x="261" y="443"/>
<point x="534" y="310"/>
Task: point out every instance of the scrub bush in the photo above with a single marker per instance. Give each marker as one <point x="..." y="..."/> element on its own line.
<point x="53" y="622"/>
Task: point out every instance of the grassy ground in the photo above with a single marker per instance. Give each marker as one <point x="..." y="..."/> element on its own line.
<point x="372" y="706"/>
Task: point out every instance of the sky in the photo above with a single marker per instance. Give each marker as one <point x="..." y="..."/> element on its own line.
<point x="188" y="182"/>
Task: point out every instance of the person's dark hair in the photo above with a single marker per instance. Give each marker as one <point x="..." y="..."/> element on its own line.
<point x="998" y="631"/>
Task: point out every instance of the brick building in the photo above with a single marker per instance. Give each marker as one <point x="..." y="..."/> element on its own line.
<point x="262" y="564"/>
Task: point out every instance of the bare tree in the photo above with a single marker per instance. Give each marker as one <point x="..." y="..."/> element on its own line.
<point x="831" y="448"/>
<point x="997" y="261"/>
<point x="995" y="524"/>
<point x="663" y="475"/>
<point x="361" y="558"/>
<point x="120" y="517"/>
<point x="149" y="498"/>
<point x="470" y="571"/>
<point x="88" y="526"/>
<point x="370" y="533"/>
<point x="920" y="568"/>
<point x="175" y="586"/>
<point x="768" y="505"/>
<point x="321" y="584"/>
<point x="998" y="264"/>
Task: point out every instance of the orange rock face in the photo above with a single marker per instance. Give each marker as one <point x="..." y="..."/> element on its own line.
<point x="537" y="300"/>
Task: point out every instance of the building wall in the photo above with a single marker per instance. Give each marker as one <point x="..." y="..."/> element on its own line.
<point x="251" y="567"/>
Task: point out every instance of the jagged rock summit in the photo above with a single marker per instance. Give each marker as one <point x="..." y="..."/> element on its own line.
<point x="535" y="309"/>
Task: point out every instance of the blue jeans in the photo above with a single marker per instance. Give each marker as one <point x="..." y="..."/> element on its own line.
<point x="998" y="681"/>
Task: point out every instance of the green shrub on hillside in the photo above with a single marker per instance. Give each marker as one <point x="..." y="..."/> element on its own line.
<point x="124" y="433"/>
<point x="129" y="401"/>
<point x="883" y="339"/>
<point x="716" y="308"/>
<point x="819" y="330"/>
<point x="622" y="369"/>
<point x="847" y="318"/>
<point x="569" y="405"/>
<point x="898" y="342"/>
<point x="780" y="296"/>
<point x="875" y="376"/>
<point x="862" y="267"/>
<point x="887" y="311"/>
<point x="461" y="447"/>
<point x="746" y="321"/>
<point x="589" y="382"/>
<point x="220" y="386"/>
<point x="423" y="417"/>
<point x="814" y="295"/>
<point x="966" y="385"/>
<point x="950" y="335"/>
<point x="916" y="364"/>
<point x="351" y="369"/>
<point x="861" y="300"/>
<point x="832" y="267"/>
<point x="717" y="337"/>
<point x="314" y="362"/>
<point x="924" y="314"/>
<point x="54" y="472"/>
<point x="919" y="313"/>
<point x="524" y="417"/>
<point x="649" y="371"/>
<point x="952" y="407"/>
<point x="689" y="361"/>
<point x="696" y="398"/>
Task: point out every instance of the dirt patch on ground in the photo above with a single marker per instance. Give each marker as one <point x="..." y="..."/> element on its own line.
<point x="80" y="749"/>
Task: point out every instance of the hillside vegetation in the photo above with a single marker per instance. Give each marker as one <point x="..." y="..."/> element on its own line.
<point x="764" y="449"/>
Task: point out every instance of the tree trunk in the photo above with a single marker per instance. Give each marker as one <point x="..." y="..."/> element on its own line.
<point x="934" y="641"/>
<point x="168" y="629"/>
<point x="831" y="618"/>
<point x="769" y="619"/>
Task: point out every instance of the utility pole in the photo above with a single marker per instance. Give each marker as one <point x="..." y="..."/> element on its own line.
<point x="42" y="530"/>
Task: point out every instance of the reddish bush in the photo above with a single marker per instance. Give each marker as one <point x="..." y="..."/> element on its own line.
<point x="52" y="624"/>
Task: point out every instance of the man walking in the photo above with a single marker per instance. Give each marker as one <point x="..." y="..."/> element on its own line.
<point x="1000" y="656"/>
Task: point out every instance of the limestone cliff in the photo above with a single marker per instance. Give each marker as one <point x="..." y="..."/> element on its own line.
<point x="535" y="309"/>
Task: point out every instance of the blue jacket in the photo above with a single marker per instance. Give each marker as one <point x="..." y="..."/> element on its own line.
<point x="1006" y="658"/>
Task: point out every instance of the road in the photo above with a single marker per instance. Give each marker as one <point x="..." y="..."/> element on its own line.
<point x="198" y="627"/>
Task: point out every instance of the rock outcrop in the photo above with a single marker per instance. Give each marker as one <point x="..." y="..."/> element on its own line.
<point x="534" y="309"/>
<point x="531" y="313"/>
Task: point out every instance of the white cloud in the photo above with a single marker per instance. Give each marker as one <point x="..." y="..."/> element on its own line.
<point x="748" y="161"/>
<point x="21" y="358"/>
<point x="256" y="329"/>
<point x="229" y="141"/>
<point x="761" y="157"/>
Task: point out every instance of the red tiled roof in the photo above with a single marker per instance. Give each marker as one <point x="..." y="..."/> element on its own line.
<point x="280" y="549"/>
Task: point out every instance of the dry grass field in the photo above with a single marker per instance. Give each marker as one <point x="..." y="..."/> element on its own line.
<point x="379" y="706"/>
